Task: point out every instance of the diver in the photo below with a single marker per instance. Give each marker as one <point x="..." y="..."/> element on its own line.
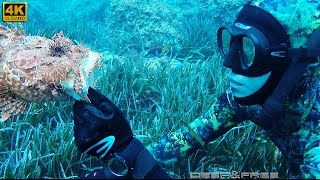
<point x="274" y="82"/>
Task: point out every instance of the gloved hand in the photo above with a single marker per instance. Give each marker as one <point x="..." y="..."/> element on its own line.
<point x="100" y="127"/>
<point x="101" y="130"/>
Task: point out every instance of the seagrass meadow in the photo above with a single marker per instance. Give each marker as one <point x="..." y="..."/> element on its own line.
<point x="157" y="91"/>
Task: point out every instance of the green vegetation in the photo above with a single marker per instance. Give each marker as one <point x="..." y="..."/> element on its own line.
<point x="156" y="94"/>
<point x="198" y="39"/>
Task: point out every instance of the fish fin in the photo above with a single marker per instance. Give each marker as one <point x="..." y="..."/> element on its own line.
<point x="10" y="104"/>
<point x="4" y="117"/>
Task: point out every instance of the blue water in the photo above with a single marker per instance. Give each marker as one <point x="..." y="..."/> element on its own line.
<point x="121" y="26"/>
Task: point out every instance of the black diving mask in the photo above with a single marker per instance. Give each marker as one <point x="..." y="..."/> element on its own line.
<point x="257" y="43"/>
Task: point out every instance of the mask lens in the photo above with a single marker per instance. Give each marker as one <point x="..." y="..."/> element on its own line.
<point x="249" y="50"/>
<point x="226" y="39"/>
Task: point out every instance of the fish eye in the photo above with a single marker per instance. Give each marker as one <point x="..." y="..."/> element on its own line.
<point x="57" y="49"/>
<point x="14" y="96"/>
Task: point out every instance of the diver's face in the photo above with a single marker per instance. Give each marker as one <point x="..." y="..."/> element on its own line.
<point x="243" y="86"/>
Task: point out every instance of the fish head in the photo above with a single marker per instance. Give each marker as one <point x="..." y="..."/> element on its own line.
<point x="80" y="79"/>
<point x="37" y="69"/>
<point x="47" y="69"/>
<point x="84" y="69"/>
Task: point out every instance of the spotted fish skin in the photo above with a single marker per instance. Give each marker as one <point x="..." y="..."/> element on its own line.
<point x="37" y="69"/>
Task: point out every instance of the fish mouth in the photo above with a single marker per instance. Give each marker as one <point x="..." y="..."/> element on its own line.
<point x="63" y="93"/>
<point x="76" y="84"/>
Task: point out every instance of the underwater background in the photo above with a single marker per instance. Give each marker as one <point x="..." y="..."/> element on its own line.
<point x="162" y="68"/>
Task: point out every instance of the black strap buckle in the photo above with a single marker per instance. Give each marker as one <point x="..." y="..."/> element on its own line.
<point x="117" y="166"/>
<point x="279" y="54"/>
<point x="280" y="51"/>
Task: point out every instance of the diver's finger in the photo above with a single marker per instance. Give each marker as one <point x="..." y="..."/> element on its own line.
<point x="79" y="116"/>
<point x="98" y="99"/>
<point x="87" y="115"/>
<point x="95" y="96"/>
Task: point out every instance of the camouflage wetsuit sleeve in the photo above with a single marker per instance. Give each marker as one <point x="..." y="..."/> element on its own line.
<point x="310" y="167"/>
<point x="221" y="117"/>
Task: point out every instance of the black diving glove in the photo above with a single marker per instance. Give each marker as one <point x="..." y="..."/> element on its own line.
<point x="100" y="127"/>
<point x="101" y="130"/>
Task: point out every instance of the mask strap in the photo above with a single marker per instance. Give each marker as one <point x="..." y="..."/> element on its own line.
<point x="310" y="50"/>
<point x="303" y="52"/>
